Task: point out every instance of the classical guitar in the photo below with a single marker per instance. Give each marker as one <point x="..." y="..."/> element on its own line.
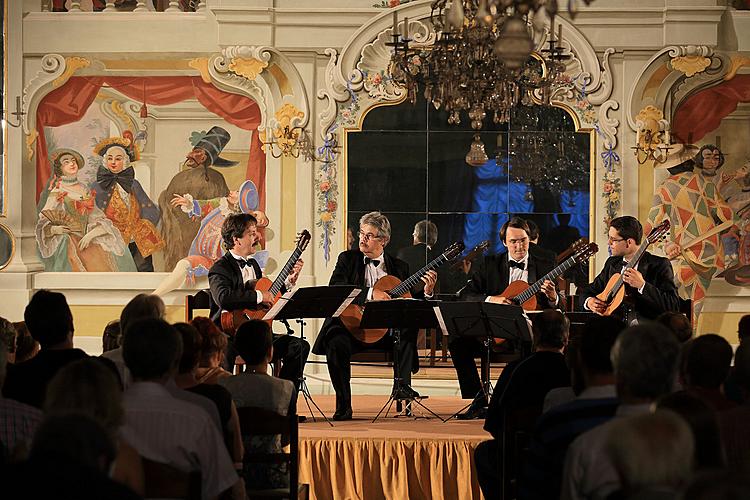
<point x="614" y="293"/>
<point x="352" y="315"/>
<point x="231" y="320"/>
<point x="476" y="251"/>
<point x="522" y="294"/>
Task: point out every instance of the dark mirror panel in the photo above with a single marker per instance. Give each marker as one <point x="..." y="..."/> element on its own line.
<point x="410" y="164"/>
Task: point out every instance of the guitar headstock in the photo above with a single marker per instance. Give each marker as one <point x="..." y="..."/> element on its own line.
<point x="481" y="247"/>
<point x="454" y="250"/>
<point x="585" y="251"/>
<point x="658" y="232"/>
<point x="303" y="239"/>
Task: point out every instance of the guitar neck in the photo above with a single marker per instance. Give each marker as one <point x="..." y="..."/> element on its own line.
<point x="552" y="276"/>
<point x="630" y="265"/>
<point x="278" y="283"/>
<point x="412" y="280"/>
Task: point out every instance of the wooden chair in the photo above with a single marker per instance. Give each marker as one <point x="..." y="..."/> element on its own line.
<point x="165" y="481"/>
<point x="263" y="422"/>
<point x="201" y="300"/>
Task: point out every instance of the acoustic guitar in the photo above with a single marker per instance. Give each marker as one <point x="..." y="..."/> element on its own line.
<point x="231" y="320"/>
<point x="522" y="294"/>
<point x="476" y="251"/>
<point x="614" y="293"/>
<point x="352" y="315"/>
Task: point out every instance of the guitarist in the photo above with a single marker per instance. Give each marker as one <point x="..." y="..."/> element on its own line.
<point x="649" y="287"/>
<point x="493" y="276"/>
<point x="232" y="279"/>
<point x="362" y="268"/>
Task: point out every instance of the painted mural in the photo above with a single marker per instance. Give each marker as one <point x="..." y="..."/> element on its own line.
<point x="105" y="203"/>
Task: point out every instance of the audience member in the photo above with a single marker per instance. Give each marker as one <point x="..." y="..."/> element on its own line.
<point x="678" y="324"/>
<point x="142" y="306"/>
<point x="69" y="459"/>
<point x="519" y="395"/>
<point x="735" y="431"/>
<point x="186" y="379"/>
<point x="706" y="361"/>
<point x="89" y="387"/>
<point x="644" y="359"/>
<point x="172" y="430"/>
<point x="594" y="405"/>
<point x="743" y="328"/>
<point x="652" y="454"/>
<point x="50" y="322"/>
<point x="213" y="345"/>
<point x="702" y="419"/>
<point x="8" y="338"/>
<point x="17" y="420"/>
<point x="111" y="336"/>
<point x="731" y="388"/>
<point x="254" y="387"/>
<point x="719" y="485"/>
<point x="26" y="346"/>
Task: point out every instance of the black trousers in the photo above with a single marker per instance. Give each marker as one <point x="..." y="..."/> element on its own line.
<point x="292" y="351"/>
<point x="463" y="351"/>
<point x="341" y="345"/>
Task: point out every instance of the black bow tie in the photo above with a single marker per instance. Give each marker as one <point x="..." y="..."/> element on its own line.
<point x="107" y="179"/>
<point x="243" y="262"/>
<point x="519" y="265"/>
<point x="374" y="262"/>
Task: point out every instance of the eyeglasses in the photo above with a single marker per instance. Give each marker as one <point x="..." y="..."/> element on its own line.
<point x="615" y="240"/>
<point x="368" y="236"/>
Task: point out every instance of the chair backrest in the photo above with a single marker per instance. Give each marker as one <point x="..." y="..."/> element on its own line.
<point x="201" y="300"/>
<point x="164" y="481"/>
<point x="262" y="422"/>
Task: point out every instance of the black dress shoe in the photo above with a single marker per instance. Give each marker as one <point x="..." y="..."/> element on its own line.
<point x="343" y="415"/>
<point x="475" y="411"/>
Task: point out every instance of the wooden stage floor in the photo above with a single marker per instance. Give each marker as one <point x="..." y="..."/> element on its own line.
<point x="393" y="458"/>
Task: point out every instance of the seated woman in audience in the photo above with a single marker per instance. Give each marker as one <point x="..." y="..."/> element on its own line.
<point x="89" y="387"/>
<point x="255" y="388"/>
<point x="213" y="345"/>
<point x="8" y="338"/>
<point x="186" y="379"/>
<point x="111" y="336"/>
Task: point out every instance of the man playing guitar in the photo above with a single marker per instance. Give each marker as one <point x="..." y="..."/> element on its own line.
<point x="649" y="285"/>
<point x="363" y="268"/>
<point x="232" y="280"/>
<point x="494" y="275"/>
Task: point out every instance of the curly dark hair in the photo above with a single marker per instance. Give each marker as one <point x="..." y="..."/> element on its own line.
<point x="234" y="227"/>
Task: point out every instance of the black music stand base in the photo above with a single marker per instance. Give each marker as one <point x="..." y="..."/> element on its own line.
<point x="302" y="384"/>
<point x="486" y="391"/>
<point x="402" y="392"/>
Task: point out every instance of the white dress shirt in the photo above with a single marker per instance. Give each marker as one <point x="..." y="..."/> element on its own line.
<point x="248" y="274"/>
<point x="373" y="273"/>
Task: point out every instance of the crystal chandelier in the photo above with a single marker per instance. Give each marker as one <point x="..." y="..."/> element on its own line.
<point x="482" y="62"/>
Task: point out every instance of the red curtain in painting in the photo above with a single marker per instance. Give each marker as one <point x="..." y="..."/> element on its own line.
<point x="703" y="112"/>
<point x="70" y="102"/>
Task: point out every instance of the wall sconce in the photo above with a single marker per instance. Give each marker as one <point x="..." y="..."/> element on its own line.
<point x="652" y="141"/>
<point x="18" y="113"/>
<point x="293" y="142"/>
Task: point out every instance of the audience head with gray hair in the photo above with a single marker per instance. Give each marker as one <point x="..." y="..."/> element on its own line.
<point x="652" y="453"/>
<point x="426" y="232"/>
<point x="141" y="306"/>
<point x="644" y="359"/>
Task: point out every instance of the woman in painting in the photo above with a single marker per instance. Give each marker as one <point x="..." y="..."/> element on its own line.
<point x="206" y="247"/>
<point x="72" y="233"/>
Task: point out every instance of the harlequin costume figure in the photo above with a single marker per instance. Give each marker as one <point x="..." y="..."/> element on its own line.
<point x="124" y="201"/>
<point x="691" y="200"/>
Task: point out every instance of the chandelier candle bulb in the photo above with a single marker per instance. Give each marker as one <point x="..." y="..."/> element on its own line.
<point x="395" y="24"/>
<point x="405" y="31"/>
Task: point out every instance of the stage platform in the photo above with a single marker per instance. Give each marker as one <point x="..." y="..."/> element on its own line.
<point x="393" y="458"/>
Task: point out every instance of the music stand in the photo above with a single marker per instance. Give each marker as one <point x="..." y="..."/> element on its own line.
<point x="312" y="302"/>
<point x="399" y="314"/>
<point x="484" y="321"/>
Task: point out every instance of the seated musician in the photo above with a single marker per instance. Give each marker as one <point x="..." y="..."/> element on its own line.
<point x="232" y="279"/>
<point x="362" y="268"/>
<point x="492" y="277"/>
<point x="649" y="287"/>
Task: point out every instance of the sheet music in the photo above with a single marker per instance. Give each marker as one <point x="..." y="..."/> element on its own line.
<point x="346" y="303"/>
<point x="440" y="319"/>
<point x="271" y="314"/>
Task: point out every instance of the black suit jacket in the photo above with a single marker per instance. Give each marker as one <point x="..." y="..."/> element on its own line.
<point x="492" y="278"/>
<point x="228" y="291"/>
<point x="659" y="294"/>
<point x="350" y="270"/>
